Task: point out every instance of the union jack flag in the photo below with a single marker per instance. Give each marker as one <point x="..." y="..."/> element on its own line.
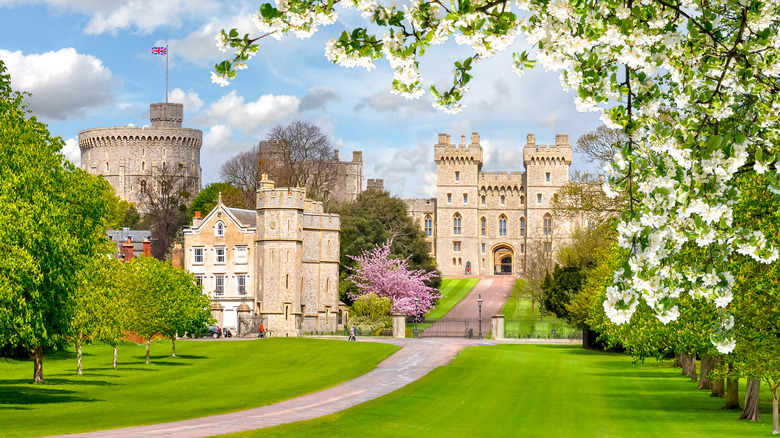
<point x="160" y="50"/>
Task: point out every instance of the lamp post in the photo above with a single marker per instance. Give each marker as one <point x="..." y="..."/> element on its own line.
<point x="479" y="304"/>
<point x="416" y="300"/>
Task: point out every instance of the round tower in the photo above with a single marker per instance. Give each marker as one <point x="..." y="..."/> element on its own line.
<point x="130" y="157"/>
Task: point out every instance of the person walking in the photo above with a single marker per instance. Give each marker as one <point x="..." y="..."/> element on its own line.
<point x="352" y="333"/>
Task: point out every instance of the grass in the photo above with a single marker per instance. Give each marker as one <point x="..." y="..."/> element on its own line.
<point x="519" y="323"/>
<point x="538" y="391"/>
<point x="452" y="290"/>
<point x="206" y="378"/>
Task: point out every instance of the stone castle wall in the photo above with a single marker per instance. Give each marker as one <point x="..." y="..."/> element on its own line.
<point x="130" y="156"/>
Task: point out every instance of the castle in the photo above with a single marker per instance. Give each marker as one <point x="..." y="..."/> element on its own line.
<point x="486" y="223"/>
<point x="279" y="263"/>
<point x="129" y="157"/>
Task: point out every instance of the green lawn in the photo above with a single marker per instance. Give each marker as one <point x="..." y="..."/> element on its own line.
<point x="517" y="312"/>
<point x="539" y="391"/>
<point x="206" y="377"/>
<point x="453" y="290"/>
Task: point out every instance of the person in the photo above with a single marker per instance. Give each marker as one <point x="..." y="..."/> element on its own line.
<point x="352" y="333"/>
<point x="262" y="330"/>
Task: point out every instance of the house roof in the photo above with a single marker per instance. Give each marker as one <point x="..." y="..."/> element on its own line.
<point x="247" y="218"/>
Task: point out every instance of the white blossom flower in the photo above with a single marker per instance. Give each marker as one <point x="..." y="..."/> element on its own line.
<point x="219" y="79"/>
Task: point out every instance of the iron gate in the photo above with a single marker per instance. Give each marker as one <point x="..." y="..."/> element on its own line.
<point x="249" y="326"/>
<point x="449" y="328"/>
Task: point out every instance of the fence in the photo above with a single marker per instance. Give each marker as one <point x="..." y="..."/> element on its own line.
<point x="514" y="328"/>
<point x="449" y="327"/>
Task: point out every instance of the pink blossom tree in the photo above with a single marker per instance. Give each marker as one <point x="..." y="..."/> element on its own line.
<point x="392" y="278"/>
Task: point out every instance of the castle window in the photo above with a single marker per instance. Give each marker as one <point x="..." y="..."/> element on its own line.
<point x="428" y="225"/>
<point x="547" y="177"/>
<point x="548" y="247"/>
<point x="547" y="225"/>
<point x="522" y="226"/>
<point x="483" y="226"/>
<point x="143" y="187"/>
<point x="522" y="248"/>
<point x="538" y="198"/>
<point x="502" y="226"/>
<point x="143" y="166"/>
<point x="455" y="246"/>
<point x="107" y="167"/>
<point x="522" y="200"/>
<point x="460" y="263"/>
<point x="241" y="254"/>
<point x="456" y="224"/>
<point x="219" y="230"/>
<point x="199" y="281"/>
<point x="465" y="198"/>
<point x="219" y="252"/>
<point x="502" y="200"/>
<point x="483" y="199"/>
<point x="287" y="281"/>
<point x="219" y="285"/>
<point x="198" y="256"/>
<point x="457" y="176"/>
<point x="241" y="284"/>
<point x="430" y="247"/>
<point x="449" y="198"/>
<point x="483" y="248"/>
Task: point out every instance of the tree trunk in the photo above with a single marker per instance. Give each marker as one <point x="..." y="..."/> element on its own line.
<point x="751" y="401"/>
<point x="79" y="340"/>
<point x="718" y="386"/>
<point x="173" y="345"/>
<point x="732" y="394"/>
<point x="693" y="368"/>
<point x="704" y="373"/>
<point x="685" y="364"/>
<point x="147" y="351"/>
<point x="775" y="414"/>
<point x="532" y="310"/>
<point x="37" y="357"/>
<point x="114" y="356"/>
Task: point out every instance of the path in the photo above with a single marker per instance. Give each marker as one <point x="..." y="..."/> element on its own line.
<point x="495" y="291"/>
<point x="416" y="359"/>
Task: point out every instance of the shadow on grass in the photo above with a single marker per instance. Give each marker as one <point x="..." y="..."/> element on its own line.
<point x="57" y="381"/>
<point x="37" y="395"/>
<point x="164" y="360"/>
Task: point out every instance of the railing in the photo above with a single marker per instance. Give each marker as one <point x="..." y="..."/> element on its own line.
<point x="540" y="330"/>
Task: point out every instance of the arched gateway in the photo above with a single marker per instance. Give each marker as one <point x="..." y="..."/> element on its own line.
<point x="503" y="259"/>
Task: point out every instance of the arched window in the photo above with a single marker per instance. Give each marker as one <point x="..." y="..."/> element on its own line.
<point x="547" y="225"/>
<point x="428" y="225"/>
<point x="483" y="199"/>
<point x="522" y="200"/>
<point x="503" y="198"/>
<point x="219" y="229"/>
<point x="143" y="187"/>
<point x="522" y="226"/>
<point x="483" y="226"/>
<point x="456" y="224"/>
<point x="502" y="226"/>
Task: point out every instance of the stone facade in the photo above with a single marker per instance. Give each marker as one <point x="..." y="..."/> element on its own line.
<point x="129" y="156"/>
<point x="279" y="262"/>
<point x="493" y="222"/>
<point x="349" y="177"/>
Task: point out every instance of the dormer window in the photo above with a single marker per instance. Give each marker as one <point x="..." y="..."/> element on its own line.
<point x="219" y="230"/>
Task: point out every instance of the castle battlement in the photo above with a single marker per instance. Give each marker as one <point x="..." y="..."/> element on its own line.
<point x="444" y="151"/>
<point x="427" y="205"/>
<point x="488" y="178"/>
<point x="322" y="221"/>
<point x="559" y="153"/>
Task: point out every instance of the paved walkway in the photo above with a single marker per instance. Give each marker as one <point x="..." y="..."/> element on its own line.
<point x="416" y="359"/>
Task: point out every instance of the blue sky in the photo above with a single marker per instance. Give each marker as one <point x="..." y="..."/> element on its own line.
<point x="88" y="64"/>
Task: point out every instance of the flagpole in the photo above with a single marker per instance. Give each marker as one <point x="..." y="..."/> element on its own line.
<point x="166" y="73"/>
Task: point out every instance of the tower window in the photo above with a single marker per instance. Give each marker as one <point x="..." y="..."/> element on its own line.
<point x="538" y="198"/>
<point x="522" y="200"/>
<point x="456" y="224"/>
<point x="455" y="246"/>
<point x="502" y="226"/>
<point x="547" y="225"/>
<point x="143" y="187"/>
<point x="483" y="199"/>
<point x="522" y="226"/>
<point x="428" y="225"/>
<point x="457" y="176"/>
<point x="547" y="176"/>
<point x="449" y="198"/>
<point x="465" y="198"/>
<point x="483" y="226"/>
<point x="503" y="198"/>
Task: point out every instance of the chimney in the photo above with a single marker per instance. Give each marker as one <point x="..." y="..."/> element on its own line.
<point x="197" y="220"/>
<point x="530" y="140"/>
<point x="335" y="154"/>
<point x="357" y="156"/>
<point x="147" y="248"/>
<point x="177" y="256"/>
<point x="562" y="139"/>
<point x="475" y="138"/>
<point x="127" y="250"/>
<point x="463" y="140"/>
<point x="444" y="139"/>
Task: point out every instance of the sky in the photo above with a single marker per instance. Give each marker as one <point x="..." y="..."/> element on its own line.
<point x="88" y="64"/>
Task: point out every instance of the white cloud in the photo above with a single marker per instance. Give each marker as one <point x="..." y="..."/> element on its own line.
<point x="63" y="84"/>
<point x="249" y="116"/>
<point x="72" y="152"/>
<point x="218" y="137"/>
<point x="317" y="98"/>
<point x="190" y="99"/>
<point x="200" y="45"/>
<point x="384" y="101"/>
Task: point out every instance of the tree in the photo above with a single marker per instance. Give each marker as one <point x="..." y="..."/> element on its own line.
<point x="208" y="197"/>
<point x="53" y="218"/>
<point x="692" y="85"/>
<point x="377" y="272"/>
<point x="101" y="305"/>
<point x="368" y="222"/>
<point x="560" y="287"/>
<point x="166" y="208"/>
<point x="295" y="155"/>
<point x="165" y="301"/>
<point x="121" y="214"/>
<point x="536" y="269"/>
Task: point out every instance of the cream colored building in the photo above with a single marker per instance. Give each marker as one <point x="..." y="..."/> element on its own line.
<point x="494" y="222"/>
<point x="280" y="262"/>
